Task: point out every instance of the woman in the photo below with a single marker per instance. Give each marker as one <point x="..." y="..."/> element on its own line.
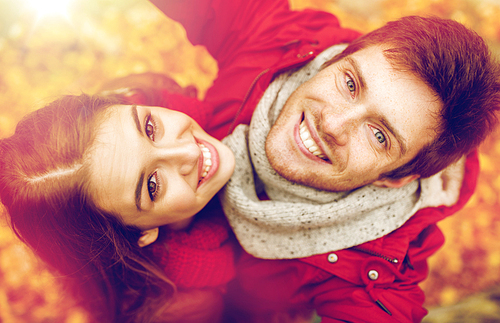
<point x="62" y="176"/>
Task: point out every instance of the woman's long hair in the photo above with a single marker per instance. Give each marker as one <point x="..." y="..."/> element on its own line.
<point x="43" y="185"/>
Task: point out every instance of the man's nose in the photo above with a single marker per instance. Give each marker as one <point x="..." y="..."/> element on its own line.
<point x="338" y="125"/>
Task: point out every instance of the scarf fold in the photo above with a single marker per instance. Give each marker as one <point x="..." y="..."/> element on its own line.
<point x="300" y="221"/>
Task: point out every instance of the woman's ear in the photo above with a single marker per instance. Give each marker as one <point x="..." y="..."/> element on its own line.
<point x="395" y="183"/>
<point x="148" y="237"/>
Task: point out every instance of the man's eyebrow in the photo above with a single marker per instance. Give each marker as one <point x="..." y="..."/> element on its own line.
<point x="401" y="141"/>
<point x="138" y="188"/>
<point x="357" y="70"/>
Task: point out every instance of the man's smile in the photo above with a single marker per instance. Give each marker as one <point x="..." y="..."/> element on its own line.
<point x="307" y="144"/>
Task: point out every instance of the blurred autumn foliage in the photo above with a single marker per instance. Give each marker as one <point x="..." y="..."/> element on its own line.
<point x="42" y="57"/>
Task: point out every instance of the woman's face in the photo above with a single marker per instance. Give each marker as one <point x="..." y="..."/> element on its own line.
<point x="154" y="166"/>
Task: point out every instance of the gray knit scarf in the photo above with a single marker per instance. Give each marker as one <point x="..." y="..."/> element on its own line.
<point x="300" y="221"/>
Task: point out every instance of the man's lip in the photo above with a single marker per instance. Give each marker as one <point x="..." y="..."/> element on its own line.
<point x="215" y="162"/>
<point x="314" y="136"/>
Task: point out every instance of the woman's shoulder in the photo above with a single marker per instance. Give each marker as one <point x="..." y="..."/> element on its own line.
<point x="203" y="255"/>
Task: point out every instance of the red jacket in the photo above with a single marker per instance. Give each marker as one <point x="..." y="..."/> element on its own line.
<point x="203" y="255"/>
<point x="377" y="281"/>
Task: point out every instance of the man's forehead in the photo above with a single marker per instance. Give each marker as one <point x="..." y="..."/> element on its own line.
<point x="409" y="104"/>
<point x="365" y="81"/>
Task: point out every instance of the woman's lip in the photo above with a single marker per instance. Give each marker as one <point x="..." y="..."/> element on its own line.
<point x="201" y="160"/>
<point x="214" y="158"/>
<point x="300" y="144"/>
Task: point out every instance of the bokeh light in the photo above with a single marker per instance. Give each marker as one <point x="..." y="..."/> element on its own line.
<point x="46" y="8"/>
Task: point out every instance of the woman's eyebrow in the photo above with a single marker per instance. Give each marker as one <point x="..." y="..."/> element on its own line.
<point x="135" y="116"/>
<point x="138" y="188"/>
<point x="138" y="192"/>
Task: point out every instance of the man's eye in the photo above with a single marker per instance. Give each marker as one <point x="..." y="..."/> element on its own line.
<point x="351" y="86"/>
<point x="153" y="186"/>
<point x="150" y="128"/>
<point x="379" y="135"/>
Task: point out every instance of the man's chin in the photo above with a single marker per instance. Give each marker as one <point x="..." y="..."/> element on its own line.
<point x="289" y="166"/>
<point x="303" y="176"/>
<point x="300" y="176"/>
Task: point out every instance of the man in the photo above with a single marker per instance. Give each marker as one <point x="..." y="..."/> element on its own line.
<point x="339" y="140"/>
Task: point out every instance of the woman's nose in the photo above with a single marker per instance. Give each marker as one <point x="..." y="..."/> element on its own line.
<point x="179" y="127"/>
<point x="338" y="125"/>
<point x="181" y="154"/>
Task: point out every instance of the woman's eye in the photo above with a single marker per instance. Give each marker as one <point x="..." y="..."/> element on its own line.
<point x="379" y="135"/>
<point x="351" y="86"/>
<point x="153" y="186"/>
<point x="150" y="128"/>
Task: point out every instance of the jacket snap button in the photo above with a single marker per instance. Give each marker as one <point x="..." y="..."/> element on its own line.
<point x="333" y="258"/>
<point x="373" y="274"/>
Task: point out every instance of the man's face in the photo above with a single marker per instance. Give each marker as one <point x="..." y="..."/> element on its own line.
<point x="355" y="120"/>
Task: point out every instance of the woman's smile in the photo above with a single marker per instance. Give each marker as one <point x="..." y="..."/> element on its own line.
<point x="208" y="163"/>
<point x="154" y="166"/>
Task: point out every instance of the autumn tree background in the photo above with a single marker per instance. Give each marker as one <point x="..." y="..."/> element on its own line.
<point x="45" y="53"/>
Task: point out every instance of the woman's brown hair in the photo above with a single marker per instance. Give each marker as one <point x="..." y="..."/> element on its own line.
<point x="43" y="185"/>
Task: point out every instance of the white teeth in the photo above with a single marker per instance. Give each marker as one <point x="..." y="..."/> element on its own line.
<point x="207" y="160"/>
<point x="307" y="140"/>
<point x="308" y="143"/>
<point x="304" y="133"/>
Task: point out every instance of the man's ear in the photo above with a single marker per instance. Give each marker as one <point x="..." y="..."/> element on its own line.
<point x="395" y="183"/>
<point x="148" y="237"/>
